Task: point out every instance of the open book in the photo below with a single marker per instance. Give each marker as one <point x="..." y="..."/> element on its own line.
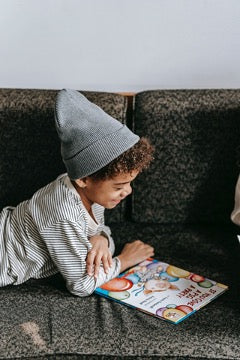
<point x="162" y="290"/>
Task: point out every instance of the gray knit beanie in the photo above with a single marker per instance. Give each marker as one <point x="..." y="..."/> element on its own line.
<point x="90" y="138"/>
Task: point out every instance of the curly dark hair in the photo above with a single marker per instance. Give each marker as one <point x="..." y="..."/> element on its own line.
<point x="138" y="157"/>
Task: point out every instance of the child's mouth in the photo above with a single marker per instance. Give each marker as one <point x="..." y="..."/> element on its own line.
<point x="116" y="201"/>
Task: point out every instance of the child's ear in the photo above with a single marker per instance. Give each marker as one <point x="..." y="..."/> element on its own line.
<point x="81" y="183"/>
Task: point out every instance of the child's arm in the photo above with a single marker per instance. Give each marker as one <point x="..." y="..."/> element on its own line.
<point x="100" y="253"/>
<point x="134" y="253"/>
<point x="102" y="248"/>
<point x="68" y="247"/>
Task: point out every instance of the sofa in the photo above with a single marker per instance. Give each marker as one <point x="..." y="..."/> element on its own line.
<point x="181" y="205"/>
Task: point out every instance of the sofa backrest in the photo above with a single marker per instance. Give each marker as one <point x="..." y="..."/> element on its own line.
<point x="197" y="138"/>
<point x="29" y="147"/>
<point x="195" y="132"/>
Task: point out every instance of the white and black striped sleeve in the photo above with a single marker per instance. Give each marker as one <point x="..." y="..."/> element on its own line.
<point x="68" y="246"/>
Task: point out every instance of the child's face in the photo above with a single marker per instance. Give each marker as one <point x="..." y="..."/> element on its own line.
<point x="107" y="193"/>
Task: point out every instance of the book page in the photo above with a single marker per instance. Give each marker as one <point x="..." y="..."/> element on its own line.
<point x="162" y="290"/>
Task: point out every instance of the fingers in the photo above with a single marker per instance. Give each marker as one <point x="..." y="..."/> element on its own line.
<point x="106" y="261"/>
<point x="151" y="251"/>
<point x="110" y="260"/>
<point x="140" y="245"/>
<point x="97" y="264"/>
<point x="94" y="261"/>
<point x="90" y="261"/>
<point x="135" y="252"/>
<point x="148" y="247"/>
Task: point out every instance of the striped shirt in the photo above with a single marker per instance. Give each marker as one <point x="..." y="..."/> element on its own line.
<point x="50" y="233"/>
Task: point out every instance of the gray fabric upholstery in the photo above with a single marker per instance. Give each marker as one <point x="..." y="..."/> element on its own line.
<point x="104" y="329"/>
<point x="196" y="134"/>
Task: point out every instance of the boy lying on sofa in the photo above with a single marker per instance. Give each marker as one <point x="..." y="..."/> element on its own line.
<point x="61" y="228"/>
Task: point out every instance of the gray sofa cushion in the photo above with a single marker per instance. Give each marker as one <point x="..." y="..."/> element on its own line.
<point x="41" y="319"/>
<point x="29" y="146"/>
<point x="196" y="134"/>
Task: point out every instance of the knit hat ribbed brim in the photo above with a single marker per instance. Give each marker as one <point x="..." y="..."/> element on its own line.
<point x="90" y="138"/>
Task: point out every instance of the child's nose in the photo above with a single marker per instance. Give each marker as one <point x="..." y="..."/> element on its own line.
<point x="126" y="191"/>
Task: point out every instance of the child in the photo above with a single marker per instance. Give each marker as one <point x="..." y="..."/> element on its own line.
<point x="61" y="228"/>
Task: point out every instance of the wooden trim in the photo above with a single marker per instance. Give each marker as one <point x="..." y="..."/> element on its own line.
<point x="131" y="94"/>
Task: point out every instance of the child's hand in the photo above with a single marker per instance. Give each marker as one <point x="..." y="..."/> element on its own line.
<point x="99" y="253"/>
<point x="134" y="253"/>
